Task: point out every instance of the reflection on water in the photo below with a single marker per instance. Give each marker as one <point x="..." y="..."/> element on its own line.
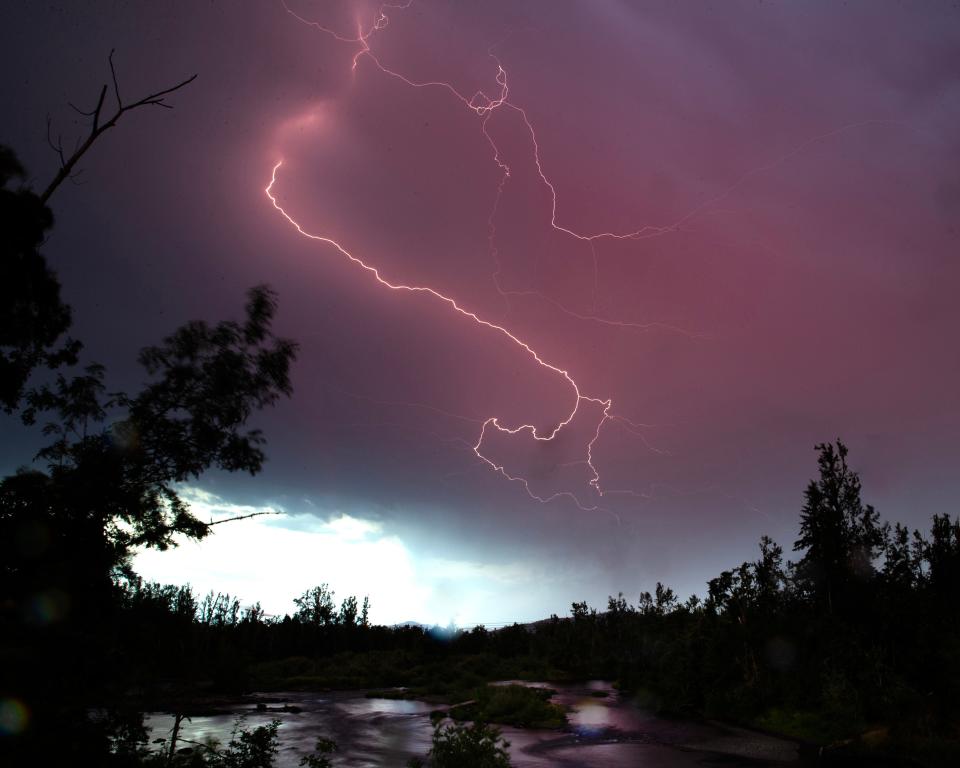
<point x="589" y="716"/>
<point x="368" y="732"/>
<point x="604" y="729"/>
<point x="385" y="706"/>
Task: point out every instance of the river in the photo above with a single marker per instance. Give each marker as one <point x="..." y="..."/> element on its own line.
<point x="605" y="729"/>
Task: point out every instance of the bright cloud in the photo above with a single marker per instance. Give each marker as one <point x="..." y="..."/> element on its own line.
<point x="275" y="557"/>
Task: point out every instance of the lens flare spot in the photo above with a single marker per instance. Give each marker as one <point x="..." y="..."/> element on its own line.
<point x="49" y="606"/>
<point x="14" y="717"/>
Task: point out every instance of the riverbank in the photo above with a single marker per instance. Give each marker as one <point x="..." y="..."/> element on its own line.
<point x="597" y="714"/>
<point x="600" y="730"/>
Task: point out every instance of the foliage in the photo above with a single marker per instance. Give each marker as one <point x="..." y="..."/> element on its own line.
<point x="518" y="705"/>
<point x="839" y="535"/>
<point x="316" y="606"/>
<point x="468" y="746"/>
<point x="33" y="317"/>
<point x="763" y="648"/>
<point x="247" y="749"/>
<point x="863" y="630"/>
<point x="109" y="485"/>
<point x="110" y="489"/>
<point x="319" y="757"/>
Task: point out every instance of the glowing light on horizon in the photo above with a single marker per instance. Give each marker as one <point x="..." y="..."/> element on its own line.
<point x="273" y="558"/>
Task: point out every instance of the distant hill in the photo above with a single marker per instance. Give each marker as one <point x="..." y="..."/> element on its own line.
<point x="410" y="624"/>
<point x="436" y="630"/>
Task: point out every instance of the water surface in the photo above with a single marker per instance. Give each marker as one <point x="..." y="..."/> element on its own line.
<point x="604" y="729"/>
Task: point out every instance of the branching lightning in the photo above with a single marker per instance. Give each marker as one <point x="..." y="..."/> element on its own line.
<point x="493" y="421"/>
<point x="484" y="107"/>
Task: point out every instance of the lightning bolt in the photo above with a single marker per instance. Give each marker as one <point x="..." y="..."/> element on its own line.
<point x="484" y="107"/>
<point x="492" y="422"/>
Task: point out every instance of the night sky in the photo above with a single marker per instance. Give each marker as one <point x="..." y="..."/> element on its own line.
<point x="736" y="221"/>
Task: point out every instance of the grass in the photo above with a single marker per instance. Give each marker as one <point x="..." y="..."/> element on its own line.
<point x="515" y="705"/>
<point x="397" y="675"/>
<point x="799" y="724"/>
<point x="444" y="680"/>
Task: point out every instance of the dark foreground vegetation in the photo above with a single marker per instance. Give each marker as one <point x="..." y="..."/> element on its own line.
<point x="854" y="645"/>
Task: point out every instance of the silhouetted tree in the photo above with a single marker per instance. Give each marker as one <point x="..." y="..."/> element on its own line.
<point x="476" y="745"/>
<point x="942" y="555"/>
<point x="253" y="614"/>
<point x="113" y="467"/>
<point x="348" y="612"/>
<point x="109" y="487"/>
<point x="769" y="575"/>
<point x="839" y="535"/>
<point x="219" y="610"/>
<point x="902" y="560"/>
<point x="100" y="123"/>
<point x="617" y="606"/>
<point x="316" y="606"/>
<point x="580" y="611"/>
<point x="33" y="317"/>
<point x="365" y="612"/>
<point x="665" y="600"/>
<point x="111" y="476"/>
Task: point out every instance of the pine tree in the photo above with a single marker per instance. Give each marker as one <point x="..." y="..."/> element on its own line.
<point x="839" y="535"/>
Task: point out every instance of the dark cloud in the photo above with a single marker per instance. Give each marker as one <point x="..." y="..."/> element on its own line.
<point x="807" y="152"/>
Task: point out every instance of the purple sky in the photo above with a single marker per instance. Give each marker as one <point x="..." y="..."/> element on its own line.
<point x="802" y="161"/>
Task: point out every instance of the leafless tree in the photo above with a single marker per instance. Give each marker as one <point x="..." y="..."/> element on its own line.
<point x="100" y="124"/>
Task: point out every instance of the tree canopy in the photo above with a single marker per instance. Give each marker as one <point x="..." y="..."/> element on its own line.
<point x="840" y="536"/>
<point x="33" y="317"/>
<point x="107" y="482"/>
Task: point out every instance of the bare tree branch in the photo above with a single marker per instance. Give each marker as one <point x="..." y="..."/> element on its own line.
<point x="137" y="541"/>
<point x="97" y="128"/>
<point x="79" y="111"/>
<point x="238" y="517"/>
<point x="198" y="744"/>
<point x="58" y="147"/>
<point x="113" y="74"/>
